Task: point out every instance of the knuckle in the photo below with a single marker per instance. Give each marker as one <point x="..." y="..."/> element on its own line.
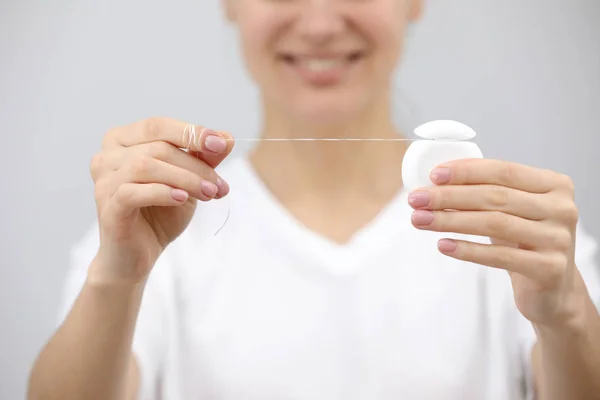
<point x="152" y="127"/>
<point x="567" y="183"/>
<point x="438" y="199"/>
<point x="188" y="180"/>
<point x="505" y="173"/>
<point x="497" y="197"/>
<point x="462" y="172"/>
<point x="123" y="194"/>
<point x="555" y="265"/>
<point x="159" y="150"/>
<point x="140" y="167"/>
<point x="193" y="181"/>
<point x="101" y="190"/>
<point x="109" y="137"/>
<point x="568" y="212"/>
<point x="573" y="214"/>
<point x="209" y="174"/>
<point x="497" y="223"/>
<point x="120" y="194"/>
<point x="444" y="197"/>
<point x="96" y="164"/>
<point x="561" y="239"/>
<point x="505" y="259"/>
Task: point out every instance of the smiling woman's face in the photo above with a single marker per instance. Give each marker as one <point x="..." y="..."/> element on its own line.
<point x="322" y="59"/>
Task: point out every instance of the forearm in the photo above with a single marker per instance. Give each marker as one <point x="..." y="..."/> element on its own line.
<point x="90" y="354"/>
<point x="567" y="360"/>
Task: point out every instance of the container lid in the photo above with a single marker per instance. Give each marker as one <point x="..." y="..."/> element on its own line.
<point x="445" y="130"/>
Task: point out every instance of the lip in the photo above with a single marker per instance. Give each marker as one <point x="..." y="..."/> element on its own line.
<point x="329" y="68"/>
<point x="300" y="56"/>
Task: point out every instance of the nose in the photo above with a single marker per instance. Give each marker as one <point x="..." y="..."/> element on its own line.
<point x="320" y="20"/>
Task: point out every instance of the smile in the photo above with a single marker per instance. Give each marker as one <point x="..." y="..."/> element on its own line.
<point x="322" y="70"/>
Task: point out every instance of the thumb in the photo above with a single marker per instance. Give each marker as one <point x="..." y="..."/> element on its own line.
<point x="214" y="147"/>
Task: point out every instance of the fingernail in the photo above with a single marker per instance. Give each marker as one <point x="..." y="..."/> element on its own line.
<point x="440" y="175"/>
<point x="422" y="218"/>
<point x="179" y="195"/>
<point x="223" y="187"/>
<point x="209" y="189"/>
<point x="215" y="143"/>
<point x="447" y="245"/>
<point x="419" y="199"/>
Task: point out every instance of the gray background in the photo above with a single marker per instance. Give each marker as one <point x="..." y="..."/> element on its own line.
<point x="524" y="74"/>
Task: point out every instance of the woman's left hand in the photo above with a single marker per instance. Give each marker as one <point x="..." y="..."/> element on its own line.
<point x="529" y="214"/>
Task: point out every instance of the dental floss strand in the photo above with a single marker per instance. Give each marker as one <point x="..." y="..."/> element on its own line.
<point x="440" y="141"/>
<point x="190" y="136"/>
<point x="322" y="140"/>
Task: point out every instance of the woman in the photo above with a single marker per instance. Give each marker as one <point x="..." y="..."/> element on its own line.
<point x="319" y="286"/>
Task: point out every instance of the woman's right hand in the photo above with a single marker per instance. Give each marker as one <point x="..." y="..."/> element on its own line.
<point x="146" y="189"/>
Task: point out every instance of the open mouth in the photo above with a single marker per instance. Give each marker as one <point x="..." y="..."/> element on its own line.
<point x="322" y="63"/>
<point x="322" y="69"/>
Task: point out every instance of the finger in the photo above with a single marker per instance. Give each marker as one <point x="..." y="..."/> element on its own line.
<point x="150" y="170"/>
<point x="496" y="172"/>
<point x="527" y="205"/>
<point x="114" y="159"/>
<point x="180" y="134"/>
<point x="544" y="268"/>
<point x="215" y="156"/>
<point x="130" y="197"/>
<point x="531" y="234"/>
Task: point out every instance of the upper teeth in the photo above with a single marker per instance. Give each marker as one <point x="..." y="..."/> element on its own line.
<point x="322" y="65"/>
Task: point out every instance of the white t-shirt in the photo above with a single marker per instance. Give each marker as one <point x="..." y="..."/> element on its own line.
<point x="267" y="309"/>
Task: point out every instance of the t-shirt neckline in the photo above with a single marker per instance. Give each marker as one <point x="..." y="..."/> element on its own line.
<point x="381" y="232"/>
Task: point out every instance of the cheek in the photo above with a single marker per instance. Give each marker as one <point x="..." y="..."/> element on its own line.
<point x="255" y="38"/>
<point x="384" y="26"/>
<point x="259" y="26"/>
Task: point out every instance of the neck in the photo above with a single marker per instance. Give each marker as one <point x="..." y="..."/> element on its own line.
<point x="331" y="170"/>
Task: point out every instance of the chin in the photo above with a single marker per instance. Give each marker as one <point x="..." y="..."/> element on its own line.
<point x="326" y="109"/>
